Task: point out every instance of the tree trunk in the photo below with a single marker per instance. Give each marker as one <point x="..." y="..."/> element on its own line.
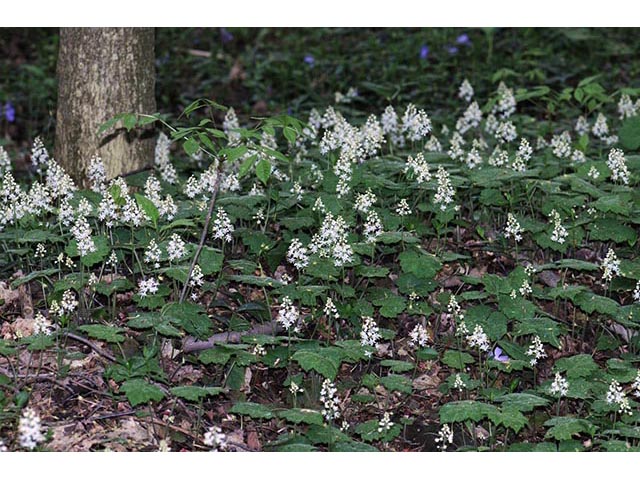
<point x="103" y="72"/>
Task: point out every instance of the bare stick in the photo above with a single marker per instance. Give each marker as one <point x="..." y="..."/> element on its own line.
<point x="203" y="237"/>
<point x="190" y="344"/>
<point x="91" y="345"/>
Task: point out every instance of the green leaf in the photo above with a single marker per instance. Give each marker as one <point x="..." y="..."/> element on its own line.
<point x="564" y="428"/>
<point x="191" y="317"/>
<point x="457" y="359"/>
<point x="523" y="402"/>
<point x="399" y="383"/>
<point x="310" y="360"/>
<point x="140" y="391"/>
<point x="466" y="410"/>
<point x="397" y="366"/>
<point x="512" y="418"/>
<point x="263" y="170"/>
<point x="129" y="121"/>
<point x="253" y="410"/>
<point x="210" y="260"/>
<point x="191" y="146"/>
<point x="629" y="133"/>
<point x="148" y="208"/>
<point x="577" y="366"/>
<point x="302" y="415"/>
<point x="195" y="394"/>
<point x="421" y="265"/>
<point x="216" y="356"/>
<point x="590" y="302"/>
<point x="104" y="332"/>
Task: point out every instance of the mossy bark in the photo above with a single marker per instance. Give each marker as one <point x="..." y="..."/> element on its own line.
<point x="103" y="72"/>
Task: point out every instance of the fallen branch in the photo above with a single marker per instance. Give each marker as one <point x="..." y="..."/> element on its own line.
<point x="91" y="345"/>
<point x="190" y="344"/>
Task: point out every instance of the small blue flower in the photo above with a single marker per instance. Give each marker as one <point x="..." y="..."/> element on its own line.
<point x="424" y="52"/>
<point x="225" y="35"/>
<point x="452" y="49"/>
<point x="9" y="112"/>
<point x="497" y="355"/>
<point x="463" y="39"/>
<point x="309" y="60"/>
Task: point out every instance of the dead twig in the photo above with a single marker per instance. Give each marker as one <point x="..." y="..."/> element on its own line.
<point x="190" y="344"/>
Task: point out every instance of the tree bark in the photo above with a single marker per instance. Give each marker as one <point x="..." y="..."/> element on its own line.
<point x="103" y="72"/>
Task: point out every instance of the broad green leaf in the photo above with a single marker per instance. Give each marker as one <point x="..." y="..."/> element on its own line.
<point x="253" y="410"/>
<point x="457" y="359"/>
<point x="310" y="360"/>
<point x="564" y="428"/>
<point x="399" y="383"/>
<point x="194" y="393"/>
<point x="104" y="332"/>
<point x="577" y="366"/>
<point x="148" y="208"/>
<point x="140" y="391"/>
<point x="397" y="366"/>
<point x="302" y="415"/>
<point x="463" y="410"/>
<point x="523" y="402"/>
<point x="263" y="170"/>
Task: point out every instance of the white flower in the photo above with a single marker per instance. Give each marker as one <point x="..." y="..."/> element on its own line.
<point x="197" y="278"/>
<point x="582" y="126"/>
<point x="230" y="183"/>
<point x="175" y="248"/>
<point x="536" y="351"/>
<point x="636" y="292"/>
<point x="370" y="333"/>
<point x="523" y="155"/>
<point x="459" y="383"/>
<point x="415" y="123"/>
<point x="162" y="161"/>
<point x="5" y="162"/>
<point x="81" y="231"/>
<point x="560" y="386"/>
<point x="636" y="385"/>
<point x="41" y="324"/>
<point x="593" y="173"/>
<point x="331" y="241"/>
<point x="454" y="309"/>
<point x="471" y="118"/>
<point x="68" y="303"/>
<point x="329" y="399"/>
<point x="513" y="228"/>
<point x="215" y="439"/>
<point x="402" y="209"/>
<point x="600" y="129"/>
<point x="616" y="395"/>
<point x="445" y="192"/>
<point x="222" y="227"/>
<point x="473" y="158"/>
<point x="364" y="201"/>
<point x="373" y="227"/>
<point x="385" y="423"/>
<point x="420" y="168"/>
<point x="506" y="104"/>
<point x="297" y="254"/>
<point x="626" y="108"/>
<point x="230" y="125"/>
<point x="561" y="145"/>
<point x="147" y="287"/>
<point x="433" y="145"/>
<point x="389" y="120"/>
<point x="578" y="156"/>
<point x="41" y="251"/>
<point x="418" y="336"/>
<point x="618" y="165"/>
<point x="97" y="175"/>
<point x="525" y="289"/>
<point x="39" y="155"/>
<point x="465" y="91"/>
<point x="30" y="429"/>
<point x="478" y="339"/>
<point x="610" y="266"/>
<point x="288" y="314"/>
<point x="506" y="132"/>
<point x="559" y="233"/>
<point x="152" y="254"/>
<point x="294" y="388"/>
<point x="445" y="437"/>
<point x="3" y="447"/>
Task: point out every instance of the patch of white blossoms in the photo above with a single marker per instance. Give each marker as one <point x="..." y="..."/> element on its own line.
<point x="297" y="254"/>
<point x="221" y="227"/>
<point x="288" y="314"/>
<point x="370" y="334"/>
<point x="513" y="228"/>
<point x="147" y="286"/>
<point x="331" y="241"/>
<point x="559" y="233"/>
<point x="418" y="336"/>
<point x="445" y="192"/>
<point x="215" y="439"/>
<point x="162" y="160"/>
<point x="445" y="437"/>
<point x="373" y="227"/>
<point x="610" y="266"/>
<point x="617" y="163"/>
<point x="559" y="386"/>
<point x="420" y="168"/>
<point x="385" y="423"/>
<point x="478" y="339"/>
<point x="30" y="429"/>
<point x="329" y="399"/>
<point x="403" y="209"/>
<point x="465" y="91"/>
<point x="535" y="351"/>
<point x="415" y="123"/>
<point x="175" y="248"/>
<point x="616" y="395"/>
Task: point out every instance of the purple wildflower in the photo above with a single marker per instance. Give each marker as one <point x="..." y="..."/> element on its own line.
<point x="225" y="35"/>
<point x="452" y="49"/>
<point x="424" y="52"/>
<point x="9" y="112"/>
<point x="463" y="39"/>
<point x="497" y="355"/>
<point x="309" y="60"/>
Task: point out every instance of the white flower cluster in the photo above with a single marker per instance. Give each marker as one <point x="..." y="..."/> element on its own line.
<point x="175" y="247"/>
<point x="561" y="145"/>
<point x="420" y="168"/>
<point x="445" y="192"/>
<point x="610" y="266"/>
<point x="39" y="155"/>
<point x="390" y="126"/>
<point x="415" y="123"/>
<point x="433" y="145"/>
<point x="297" y="254"/>
<point x="455" y="151"/>
<point x="458" y="383"/>
<point x="465" y="91"/>
<point x="636" y="292"/>
<point x="230" y="125"/>
<point x="445" y="437"/>
<point x="364" y="201"/>
<point x="162" y="160"/>
<point x="513" y="228"/>
<point x="81" y="232"/>
<point x="152" y="254"/>
<point x="329" y="399"/>
<point x="559" y="234"/>
<point x="41" y="325"/>
<point x="636" y="385"/>
<point x="331" y="241"/>
<point x="473" y="158"/>
<point x="221" y="227"/>
<point x="523" y="155"/>
<point x="370" y="333"/>
<point x="506" y="102"/>
<point x="288" y="314"/>
<point x="5" y="162"/>
<point x="600" y="128"/>
<point x="506" y="132"/>
<point x="147" y="286"/>
<point x="559" y="386"/>
<point x="69" y="303"/>
<point x="373" y="227"/>
<point x="97" y="175"/>
<point x="30" y="429"/>
<point x="330" y="310"/>
<point x="166" y="207"/>
<point x="593" y="173"/>
<point x="582" y="126"/>
<point x="617" y="163"/>
<point x="418" y="336"/>
<point x="615" y="395"/>
<point x="471" y="118"/>
<point x="346" y="97"/>
<point x="385" y="423"/>
<point x="197" y="277"/>
<point x="535" y="351"/>
<point x="626" y="107"/>
<point x="498" y="157"/>
<point x="478" y="339"/>
<point x="403" y="209"/>
<point x="215" y="439"/>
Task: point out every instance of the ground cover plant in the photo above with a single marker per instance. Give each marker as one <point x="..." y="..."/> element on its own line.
<point x="363" y="274"/>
